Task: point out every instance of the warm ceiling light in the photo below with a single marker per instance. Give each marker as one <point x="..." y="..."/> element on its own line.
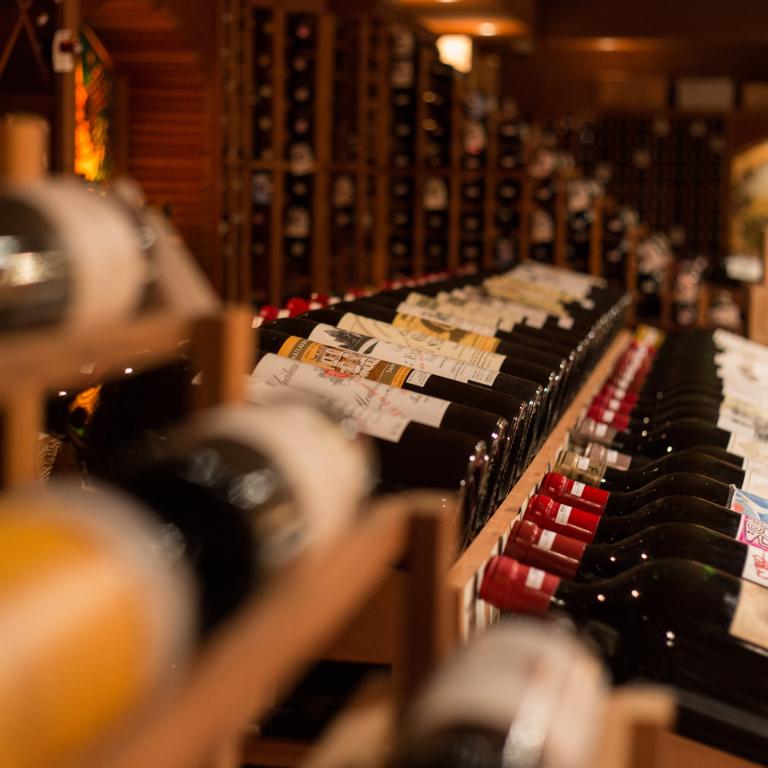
<point x="447" y="1"/>
<point x="486" y="29"/>
<point x="607" y="44"/>
<point x="456" y="51"/>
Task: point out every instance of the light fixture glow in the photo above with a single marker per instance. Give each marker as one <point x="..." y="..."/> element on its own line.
<point x="487" y="29"/>
<point x="456" y="51"/>
<point x="607" y="44"/>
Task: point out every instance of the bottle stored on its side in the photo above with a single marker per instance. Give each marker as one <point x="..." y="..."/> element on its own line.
<point x="477" y="710"/>
<point x="410" y="454"/>
<point x="585" y="526"/>
<point x="237" y="490"/>
<point x="574" y="559"/>
<point x="670" y="621"/>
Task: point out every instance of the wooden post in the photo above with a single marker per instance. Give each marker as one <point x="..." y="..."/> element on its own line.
<point x="489" y="199"/>
<point x="22" y="422"/>
<point x="65" y="94"/>
<point x="223" y="346"/>
<point x="455" y="176"/>
<point x="23" y="148"/>
<point x="561" y="224"/>
<point x="321" y="245"/>
<point x="757" y="321"/>
<point x="630" y="271"/>
<point x="429" y="628"/>
<point x="247" y="89"/>
<point x="596" y="237"/>
<point x="380" y="261"/>
<point x="276" y="246"/>
<point x="525" y="218"/>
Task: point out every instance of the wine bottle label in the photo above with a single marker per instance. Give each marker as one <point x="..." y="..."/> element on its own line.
<point x="750" y="619"/>
<point x="370" y="422"/>
<point x="418" y="378"/>
<point x="608" y="457"/>
<point x="426" y="313"/>
<point x="350" y="363"/>
<point x="444" y="330"/>
<point x="564" y="511"/>
<point x="433" y="342"/>
<point x="592" y="431"/>
<point x="398" y="353"/>
<point x="756" y="482"/>
<point x="546" y="540"/>
<point x="749" y="505"/>
<point x="607" y="416"/>
<point x="756" y="566"/>
<point x="748" y="448"/>
<point x="353" y="390"/>
<point x="577" y="489"/>
<point x="525" y="294"/>
<point x="583" y="468"/>
<point x="535" y="578"/>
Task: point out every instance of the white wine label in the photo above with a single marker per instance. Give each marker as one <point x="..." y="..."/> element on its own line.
<point x="607" y="416"/>
<point x="565" y="322"/>
<point x="449" y="319"/>
<point x="419" y="360"/>
<point x="753" y="450"/>
<point x="373" y="423"/>
<point x="756" y="566"/>
<point x="546" y="540"/>
<point x="756" y="482"/>
<point x="583" y="462"/>
<point x="429" y="337"/>
<point x="564" y="511"/>
<point x="534" y="579"/>
<point x="578" y="489"/>
<point x="612" y="457"/>
<point x="750" y="619"/>
<point x="614" y="404"/>
<point x="351" y="390"/>
<point x="601" y="429"/>
<point x="418" y="378"/>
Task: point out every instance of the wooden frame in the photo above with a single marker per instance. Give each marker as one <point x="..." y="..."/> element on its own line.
<point x="232" y="681"/>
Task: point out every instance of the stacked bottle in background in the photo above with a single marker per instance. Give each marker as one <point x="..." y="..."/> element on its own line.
<point x="459" y="380"/>
<point x="652" y="531"/>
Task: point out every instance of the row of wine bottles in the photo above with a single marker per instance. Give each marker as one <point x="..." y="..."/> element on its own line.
<point x="651" y="531"/>
<point x="457" y="380"/>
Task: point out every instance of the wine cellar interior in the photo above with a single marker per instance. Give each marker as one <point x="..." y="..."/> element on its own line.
<point x="382" y="384"/>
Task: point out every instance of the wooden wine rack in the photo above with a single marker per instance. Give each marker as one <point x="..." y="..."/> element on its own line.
<point x="298" y="613"/>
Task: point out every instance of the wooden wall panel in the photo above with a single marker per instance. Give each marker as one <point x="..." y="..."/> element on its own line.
<point x="169" y="124"/>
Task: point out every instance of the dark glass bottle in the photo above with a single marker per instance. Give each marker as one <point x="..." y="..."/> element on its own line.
<point x="574" y="559"/>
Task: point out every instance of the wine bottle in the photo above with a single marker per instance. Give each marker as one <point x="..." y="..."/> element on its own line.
<point x="582" y="468"/>
<point x="236" y="488"/>
<point x="574" y="559"/>
<point x="54" y="270"/>
<point x="458" y="463"/>
<point x="747" y="527"/>
<point x="602" y="502"/>
<point x="671" y="621"/>
<point x="476" y="710"/>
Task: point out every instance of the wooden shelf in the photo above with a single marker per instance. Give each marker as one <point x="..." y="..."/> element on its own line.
<point x="267" y="646"/>
<point x="464" y="578"/>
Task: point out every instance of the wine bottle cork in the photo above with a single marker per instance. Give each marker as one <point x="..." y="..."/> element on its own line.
<point x="23" y="148"/>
